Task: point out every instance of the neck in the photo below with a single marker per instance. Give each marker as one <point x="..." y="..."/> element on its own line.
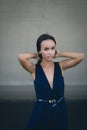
<point x="45" y="63"/>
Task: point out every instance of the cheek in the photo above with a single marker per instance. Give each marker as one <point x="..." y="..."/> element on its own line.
<point x="44" y="54"/>
<point x="53" y="52"/>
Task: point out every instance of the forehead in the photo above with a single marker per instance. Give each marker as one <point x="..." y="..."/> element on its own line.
<point x="48" y="43"/>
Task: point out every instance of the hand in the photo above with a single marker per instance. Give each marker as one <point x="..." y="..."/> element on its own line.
<point x="57" y="52"/>
<point x="37" y="56"/>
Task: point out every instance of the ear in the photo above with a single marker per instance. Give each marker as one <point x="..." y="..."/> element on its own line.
<point x="55" y="52"/>
<point x="39" y="52"/>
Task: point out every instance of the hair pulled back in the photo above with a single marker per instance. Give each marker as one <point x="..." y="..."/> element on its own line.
<point x="39" y="41"/>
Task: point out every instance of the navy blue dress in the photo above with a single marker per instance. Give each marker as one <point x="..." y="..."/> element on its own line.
<point x="45" y="115"/>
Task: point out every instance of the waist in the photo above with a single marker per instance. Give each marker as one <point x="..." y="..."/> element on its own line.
<point x="51" y="101"/>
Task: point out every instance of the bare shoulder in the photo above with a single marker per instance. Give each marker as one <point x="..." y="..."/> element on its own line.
<point x="33" y="71"/>
<point x="60" y="64"/>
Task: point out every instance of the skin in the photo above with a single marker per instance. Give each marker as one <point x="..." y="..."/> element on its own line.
<point x="49" y="52"/>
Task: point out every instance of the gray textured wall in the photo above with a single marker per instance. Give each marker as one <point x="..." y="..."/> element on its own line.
<point x="22" y="21"/>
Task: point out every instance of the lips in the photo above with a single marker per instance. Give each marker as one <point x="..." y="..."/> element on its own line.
<point x="49" y="56"/>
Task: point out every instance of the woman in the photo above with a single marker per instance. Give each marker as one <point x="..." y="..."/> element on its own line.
<point x="49" y="111"/>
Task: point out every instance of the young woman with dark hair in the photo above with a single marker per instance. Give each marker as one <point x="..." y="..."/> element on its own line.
<point x="49" y="112"/>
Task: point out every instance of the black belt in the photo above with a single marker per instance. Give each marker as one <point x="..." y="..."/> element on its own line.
<point x="51" y="101"/>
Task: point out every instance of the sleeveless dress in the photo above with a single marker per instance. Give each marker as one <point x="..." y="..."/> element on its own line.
<point x="48" y="115"/>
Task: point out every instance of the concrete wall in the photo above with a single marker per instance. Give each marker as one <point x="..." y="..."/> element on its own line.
<point x="22" y="21"/>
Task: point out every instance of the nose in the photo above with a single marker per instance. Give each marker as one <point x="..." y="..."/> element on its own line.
<point x="50" y="51"/>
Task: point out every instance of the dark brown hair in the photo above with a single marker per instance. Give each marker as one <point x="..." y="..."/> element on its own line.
<point x="39" y="41"/>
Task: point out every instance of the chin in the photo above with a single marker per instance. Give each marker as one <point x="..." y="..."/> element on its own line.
<point x="50" y="59"/>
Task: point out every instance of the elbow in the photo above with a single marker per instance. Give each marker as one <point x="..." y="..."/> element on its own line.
<point x="82" y="56"/>
<point x="20" y="57"/>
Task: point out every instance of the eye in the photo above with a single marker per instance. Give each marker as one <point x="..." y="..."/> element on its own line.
<point x="46" y="49"/>
<point x="53" y="48"/>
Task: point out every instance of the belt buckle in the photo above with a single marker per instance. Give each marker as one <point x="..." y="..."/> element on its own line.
<point x="52" y="101"/>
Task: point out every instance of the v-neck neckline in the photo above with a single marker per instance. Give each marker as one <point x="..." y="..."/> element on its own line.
<point x="51" y="87"/>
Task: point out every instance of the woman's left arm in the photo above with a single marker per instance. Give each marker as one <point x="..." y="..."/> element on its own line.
<point x="74" y="58"/>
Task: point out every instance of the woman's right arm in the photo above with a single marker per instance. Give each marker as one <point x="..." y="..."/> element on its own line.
<point x="24" y="60"/>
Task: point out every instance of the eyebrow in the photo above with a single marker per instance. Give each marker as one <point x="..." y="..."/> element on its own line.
<point x="49" y="47"/>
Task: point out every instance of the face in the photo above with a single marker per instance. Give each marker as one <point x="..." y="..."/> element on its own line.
<point x="48" y="49"/>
